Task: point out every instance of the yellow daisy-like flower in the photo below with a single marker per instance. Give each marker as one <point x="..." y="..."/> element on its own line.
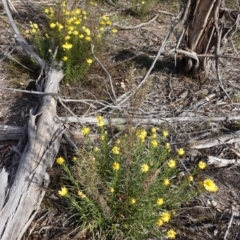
<point x="116" y="166"/>
<point x="102" y="137"/>
<point x="46" y="10"/>
<point x="180" y="151"/>
<point x="77" y="22"/>
<point x="89" y="61"/>
<point x="96" y="149"/>
<point x="84" y="12"/>
<point x="67" y="46"/>
<point x="172" y="163"/>
<point x="87" y="31"/>
<point x="210" y="186"/>
<point x="160" y="222"/>
<point x="81" y="194"/>
<point x="63" y="192"/>
<point x="70" y="28"/>
<point x="171" y="234"/>
<point x="160" y="201"/>
<point x="81" y="36"/>
<point x="165" y="133"/>
<point x="100" y="121"/>
<point x="154" y="143"/>
<point x="114" y="30"/>
<point x="166" y="216"/>
<point x="67" y="37"/>
<point x="132" y="201"/>
<point x="116" y="150"/>
<point x="202" y="165"/>
<point x="143" y="2"/>
<point x="74" y="158"/>
<point x="167" y="146"/>
<point x="111" y="189"/>
<point x="65" y="58"/>
<point x="166" y="182"/>
<point x="85" y="131"/>
<point x="75" y="32"/>
<point x="154" y="136"/>
<point x="34" y="31"/>
<point x="52" y="25"/>
<point x="60" y="160"/>
<point x="190" y="178"/>
<point x="60" y="27"/>
<point x="153" y="130"/>
<point x="141" y="134"/>
<point x="88" y="38"/>
<point x="144" y="168"/>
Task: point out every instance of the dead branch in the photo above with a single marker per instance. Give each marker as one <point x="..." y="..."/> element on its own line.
<point x="220" y="162"/>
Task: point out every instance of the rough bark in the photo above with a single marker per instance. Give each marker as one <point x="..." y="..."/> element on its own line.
<point x="204" y="31"/>
<point x="23" y="186"/>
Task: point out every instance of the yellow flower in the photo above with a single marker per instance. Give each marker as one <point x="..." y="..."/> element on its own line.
<point x="154" y="136"/>
<point x="101" y="29"/>
<point x="166" y="217"/>
<point x="84" y="12"/>
<point x="81" y="194"/>
<point x="33" y="31"/>
<point x="118" y="141"/>
<point x="153" y="130"/>
<point x="190" y="178"/>
<point x="102" y="137"/>
<point x="46" y="10"/>
<point x="77" y="11"/>
<point x="100" y="121"/>
<point x="105" y="18"/>
<point x="141" y="134"/>
<point x="75" y="32"/>
<point x="202" y="165"/>
<point x="160" y="222"/>
<point x="165" y="133"/>
<point x="143" y="2"/>
<point x="74" y="158"/>
<point x="63" y="192"/>
<point x="46" y="35"/>
<point x="88" y="38"/>
<point x="27" y="31"/>
<point x="77" y="22"/>
<point x="166" y="182"/>
<point x="114" y="30"/>
<point x="81" y="36"/>
<point x="160" y="201"/>
<point x="70" y="28"/>
<point x="132" y="201"/>
<point x="172" y="163"/>
<point x="167" y="146"/>
<point x="111" y="189"/>
<point x="154" y="143"/>
<point x="116" y="150"/>
<point x="108" y="23"/>
<point x="60" y="160"/>
<point x="171" y="234"/>
<point x="52" y="25"/>
<point x="67" y="46"/>
<point x="35" y="26"/>
<point x="95" y="149"/>
<point x="60" y="27"/>
<point x="93" y="3"/>
<point x="65" y="58"/>
<point x="210" y="186"/>
<point x="116" y="166"/>
<point x="144" y="168"/>
<point x="180" y="151"/>
<point x="85" y="131"/>
<point x="67" y="37"/>
<point x="89" y="61"/>
<point x="87" y="31"/>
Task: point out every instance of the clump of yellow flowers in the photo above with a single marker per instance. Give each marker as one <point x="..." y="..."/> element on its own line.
<point x="122" y="186"/>
<point x="71" y="33"/>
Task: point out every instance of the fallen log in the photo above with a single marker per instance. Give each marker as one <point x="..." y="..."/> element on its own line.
<point x="23" y="174"/>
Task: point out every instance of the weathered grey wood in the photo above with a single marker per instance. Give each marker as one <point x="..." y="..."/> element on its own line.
<point x="23" y="197"/>
<point x="10" y="132"/>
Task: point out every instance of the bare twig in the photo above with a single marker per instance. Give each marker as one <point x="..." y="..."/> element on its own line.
<point x="229" y="225"/>
<point x="135" y="27"/>
<point x="106" y="71"/>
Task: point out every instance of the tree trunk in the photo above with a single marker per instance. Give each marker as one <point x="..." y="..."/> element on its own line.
<point x="204" y="32"/>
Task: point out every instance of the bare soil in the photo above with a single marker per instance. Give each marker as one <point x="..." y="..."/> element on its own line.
<point x="168" y="93"/>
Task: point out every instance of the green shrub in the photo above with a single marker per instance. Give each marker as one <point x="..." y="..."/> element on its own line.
<point x="70" y="33"/>
<point x="130" y="187"/>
